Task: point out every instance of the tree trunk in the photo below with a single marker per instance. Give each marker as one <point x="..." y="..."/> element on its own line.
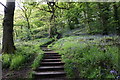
<point x="8" y="43"/>
<point x="104" y="16"/>
<point x="50" y="32"/>
<point x="88" y="16"/>
<point x="52" y="27"/>
<point x="28" y="23"/>
<point x="116" y="17"/>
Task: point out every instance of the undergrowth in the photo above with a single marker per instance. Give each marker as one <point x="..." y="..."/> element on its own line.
<point x="88" y="57"/>
<point x="37" y="61"/>
<point x="26" y="52"/>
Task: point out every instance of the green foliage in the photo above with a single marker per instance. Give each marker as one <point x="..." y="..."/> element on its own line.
<point x="36" y="62"/>
<point x="88" y="59"/>
<point x="6" y="58"/>
<point x="26" y="53"/>
<point x="39" y="56"/>
<point x="97" y="62"/>
<point x="17" y="61"/>
<point x="89" y="17"/>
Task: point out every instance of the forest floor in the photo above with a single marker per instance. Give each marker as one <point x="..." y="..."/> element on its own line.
<point x="24" y="71"/>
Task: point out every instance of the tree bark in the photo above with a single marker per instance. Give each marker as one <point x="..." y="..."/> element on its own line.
<point x="88" y="16"/>
<point x="104" y="16"/>
<point x="8" y="43"/>
<point x="116" y="17"/>
<point x="52" y="28"/>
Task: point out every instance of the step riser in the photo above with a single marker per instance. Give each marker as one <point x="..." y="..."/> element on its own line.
<point x="60" y="64"/>
<point x="53" y="69"/>
<point x="52" y="57"/>
<point x="48" y="76"/>
<point x="51" y="53"/>
<point x="51" y="60"/>
<point x="46" y="50"/>
<point x="58" y="78"/>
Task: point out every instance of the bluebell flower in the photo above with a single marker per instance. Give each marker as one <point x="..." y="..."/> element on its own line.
<point x="113" y="72"/>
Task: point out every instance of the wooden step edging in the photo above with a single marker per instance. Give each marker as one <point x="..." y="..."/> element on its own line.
<point x="51" y="66"/>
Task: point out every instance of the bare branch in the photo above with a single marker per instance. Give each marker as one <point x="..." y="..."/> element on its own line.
<point x="61" y="7"/>
<point x="3" y="5"/>
<point x="20" y="7"/>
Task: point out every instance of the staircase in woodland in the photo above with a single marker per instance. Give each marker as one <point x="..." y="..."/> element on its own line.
<point x="51" y="67"/>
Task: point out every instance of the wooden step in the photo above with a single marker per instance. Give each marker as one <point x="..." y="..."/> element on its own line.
<point x="49" y="42"/>
<point x="46" y="49"/>
<point x="50" y="68"/>
<point x="52" y="63"/>
<point x="52" y="57"/>
<point x="51" y="60"/>
<point x="49" y="74"/>
<point x="52" y="54"/>
<point x="58" y="78"/>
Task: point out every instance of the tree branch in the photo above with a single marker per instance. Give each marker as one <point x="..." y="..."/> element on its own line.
<point x="61" y="7"/>
<point x="3" y="5"/>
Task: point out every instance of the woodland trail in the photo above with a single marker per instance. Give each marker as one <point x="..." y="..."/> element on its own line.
<point x="51" y="67"/>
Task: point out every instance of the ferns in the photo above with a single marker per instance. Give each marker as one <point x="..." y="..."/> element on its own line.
<point x="87" y="58"/>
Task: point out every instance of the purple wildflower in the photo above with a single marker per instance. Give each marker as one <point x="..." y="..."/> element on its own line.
<point x="113" y="72"/>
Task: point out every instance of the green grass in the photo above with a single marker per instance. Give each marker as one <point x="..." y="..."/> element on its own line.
<point x="25" y="53"/>
<point x="17" y="61"/>
<point x="88" y="57"/>
<point x="6" y="58"/>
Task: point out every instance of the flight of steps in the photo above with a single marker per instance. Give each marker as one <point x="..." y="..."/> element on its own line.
<point x="51" y="67"/>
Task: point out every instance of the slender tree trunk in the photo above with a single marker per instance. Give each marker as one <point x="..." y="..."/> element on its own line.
<point x="104" y="16"/>
<point x="28" y="23"/>
<point x="50" y="32"/>
<point x="116" y="17"/>
<point x="52" y="28"/>
<point x="88" y="15"/>
<point x="8" y="43"/>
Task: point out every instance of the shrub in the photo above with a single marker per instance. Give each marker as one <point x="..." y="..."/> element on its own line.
<point x="25" y="53"/>
<point x="87" y="60"/>
<point x="37" y="61"/>
<point x="17" y="61"/>
<point x="6" y="59"/>
<point x="97" y="64"/>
